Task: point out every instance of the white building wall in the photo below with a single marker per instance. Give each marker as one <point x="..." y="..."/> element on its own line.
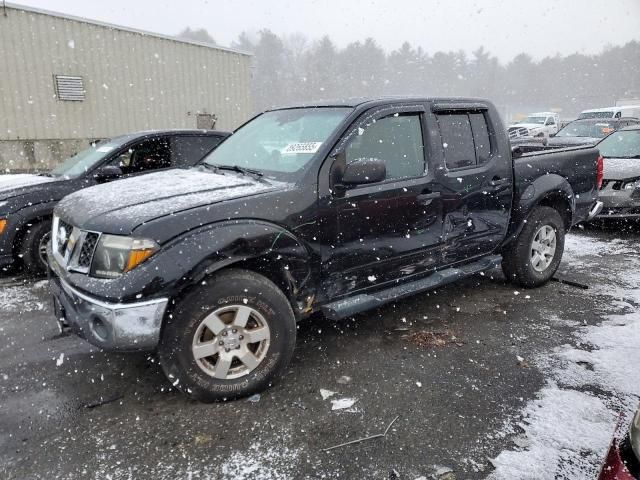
<point x="133" y="80"/>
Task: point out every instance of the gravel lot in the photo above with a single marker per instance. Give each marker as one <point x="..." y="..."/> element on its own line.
<point x="485" y="381"/>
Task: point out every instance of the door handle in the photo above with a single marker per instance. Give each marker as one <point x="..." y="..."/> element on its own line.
<point x="426" y="198"/>
<point x="496" y="181"/>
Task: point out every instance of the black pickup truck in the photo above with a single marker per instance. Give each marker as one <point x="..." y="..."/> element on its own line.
<point x="27" y="200"/>
<point x="334" y="208"/>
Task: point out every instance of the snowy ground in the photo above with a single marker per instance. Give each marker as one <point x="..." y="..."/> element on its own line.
<point x="504" y="384"/>
<point x="589" y="383"/>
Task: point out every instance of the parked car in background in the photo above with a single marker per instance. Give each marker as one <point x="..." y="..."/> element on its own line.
<point x="27" y="200"/>
<point x="331" y="207"/>
<point x="620" y="191"/>
<point x="588" y="131"/>
<point x="541" y="124"/>
<point x="611" y="112"/>
<point x="623" y="458"/>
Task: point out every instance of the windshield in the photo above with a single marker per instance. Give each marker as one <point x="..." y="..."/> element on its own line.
<point x="593" y="130"/>
<point x="607" y="114"/>
<point x="282" y="141"/>
<point x="622" y="144"/>
<point x="83" y="161"/>
<point x="539" y="120"/>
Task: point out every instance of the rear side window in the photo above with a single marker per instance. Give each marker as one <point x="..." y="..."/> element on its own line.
<point x="187" y="150"/>
<point x="481" y="138"/>
<point x="457" y="140"/>
<point x="465" y="139"/>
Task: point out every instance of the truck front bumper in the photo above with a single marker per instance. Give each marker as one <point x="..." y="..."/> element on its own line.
<point x="111" y="326"/>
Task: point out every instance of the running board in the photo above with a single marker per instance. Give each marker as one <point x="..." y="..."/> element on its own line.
<point x="350" y="306"/>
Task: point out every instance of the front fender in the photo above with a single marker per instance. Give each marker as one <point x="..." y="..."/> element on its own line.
<point x="546" y="187"/>
<point x="265" y="245"/>
<point x="18" y="221"/>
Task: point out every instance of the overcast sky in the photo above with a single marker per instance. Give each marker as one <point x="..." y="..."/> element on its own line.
<point x="504" y="27"/>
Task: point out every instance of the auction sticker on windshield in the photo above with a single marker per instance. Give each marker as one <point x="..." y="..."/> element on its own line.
<point x="301" y="147"/>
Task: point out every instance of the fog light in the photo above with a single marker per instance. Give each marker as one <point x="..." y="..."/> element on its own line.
<point x="99" y="328"/>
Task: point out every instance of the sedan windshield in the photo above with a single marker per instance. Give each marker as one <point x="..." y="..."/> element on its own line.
<point x="281" y="141"/>
<point x="622" y="144"/>
<point x="84" y="160"/>
<point x="588" y="129"/>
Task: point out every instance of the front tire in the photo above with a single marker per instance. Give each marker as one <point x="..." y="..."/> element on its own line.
<point x="533" y="258"/>
<point x="34" y="248"/>
<point x="228" y="338"/>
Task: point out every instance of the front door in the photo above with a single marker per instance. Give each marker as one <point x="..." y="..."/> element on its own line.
<point x="390" y="229"/>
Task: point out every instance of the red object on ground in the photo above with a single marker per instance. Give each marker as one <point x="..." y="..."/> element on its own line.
<point x="614" y="468"/>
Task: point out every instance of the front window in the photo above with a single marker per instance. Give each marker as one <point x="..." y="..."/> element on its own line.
<point x="622" y="144"/>
<point x="592" y="130"/>
<point x="279" y="142"/>
<point x="606" y="114"/>
<point x="85" y="160"/>
<point x="538" y="120"/>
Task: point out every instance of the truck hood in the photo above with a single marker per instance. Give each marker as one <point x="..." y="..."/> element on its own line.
<point x="13" y="185"/>
<point x="119" y="207"/>
<point x="621" y="168"/>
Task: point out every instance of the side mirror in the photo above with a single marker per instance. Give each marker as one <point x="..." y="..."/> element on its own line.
<point x="364" y="170"/>
<point x="108" y="172"/>
<point x="517" y="151"/>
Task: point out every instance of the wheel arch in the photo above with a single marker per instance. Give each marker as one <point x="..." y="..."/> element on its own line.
<point x="261" y="247"/>
<point x="550" y="190"/>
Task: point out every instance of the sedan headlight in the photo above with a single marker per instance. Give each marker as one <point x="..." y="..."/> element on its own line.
<point x="116" y="255"/>
<point x="634" y="434"/>
<point x="632" y="185"/>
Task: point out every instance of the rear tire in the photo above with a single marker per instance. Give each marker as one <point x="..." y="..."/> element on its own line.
<point x="533" y="258"/>
<point x="34" y="243"/>
<point x="228" y="338"/>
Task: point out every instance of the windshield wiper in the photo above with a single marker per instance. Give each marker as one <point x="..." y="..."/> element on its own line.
<point x="237" y="168"/>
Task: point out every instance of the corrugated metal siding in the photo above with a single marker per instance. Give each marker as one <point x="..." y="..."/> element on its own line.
<point x="132" y="81"/>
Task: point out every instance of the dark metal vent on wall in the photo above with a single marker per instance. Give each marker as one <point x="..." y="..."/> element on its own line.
<point x="69" y="87"/>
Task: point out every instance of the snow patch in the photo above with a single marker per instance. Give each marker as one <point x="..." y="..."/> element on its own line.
<point x="260" y="462"/>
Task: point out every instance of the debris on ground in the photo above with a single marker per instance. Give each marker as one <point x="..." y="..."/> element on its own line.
<point x="254" y="398"/>
<point x="434" y="338"/>
<point x="371" y="437"/>
<point x="522" y="362"/>
<point x="445" y="473"/>
<point x="326" y="393"/>
<point x="343" y="403"/>
<point x="105" y="401"/>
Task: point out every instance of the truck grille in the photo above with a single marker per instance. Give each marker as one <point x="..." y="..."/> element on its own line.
<point x="87" y="249"/>
<point x="73" y="248"/>
<point x="517" y="132"/>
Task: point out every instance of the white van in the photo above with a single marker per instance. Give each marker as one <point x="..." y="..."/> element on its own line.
<point x="611" y="112"/>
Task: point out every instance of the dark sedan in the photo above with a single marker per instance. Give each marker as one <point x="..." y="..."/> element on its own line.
<point x="588" y="131"/>
<point x="27" y="200"/>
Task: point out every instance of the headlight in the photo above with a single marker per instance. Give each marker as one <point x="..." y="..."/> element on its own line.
<point x="116" y="255"/>
<point x="632" y="185"/>
<point x="634" y="434"/>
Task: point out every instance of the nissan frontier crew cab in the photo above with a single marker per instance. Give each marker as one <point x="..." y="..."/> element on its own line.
<point x="334" y="207"/>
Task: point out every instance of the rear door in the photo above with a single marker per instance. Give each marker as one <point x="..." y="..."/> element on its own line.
<point x="477" y="182"/>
